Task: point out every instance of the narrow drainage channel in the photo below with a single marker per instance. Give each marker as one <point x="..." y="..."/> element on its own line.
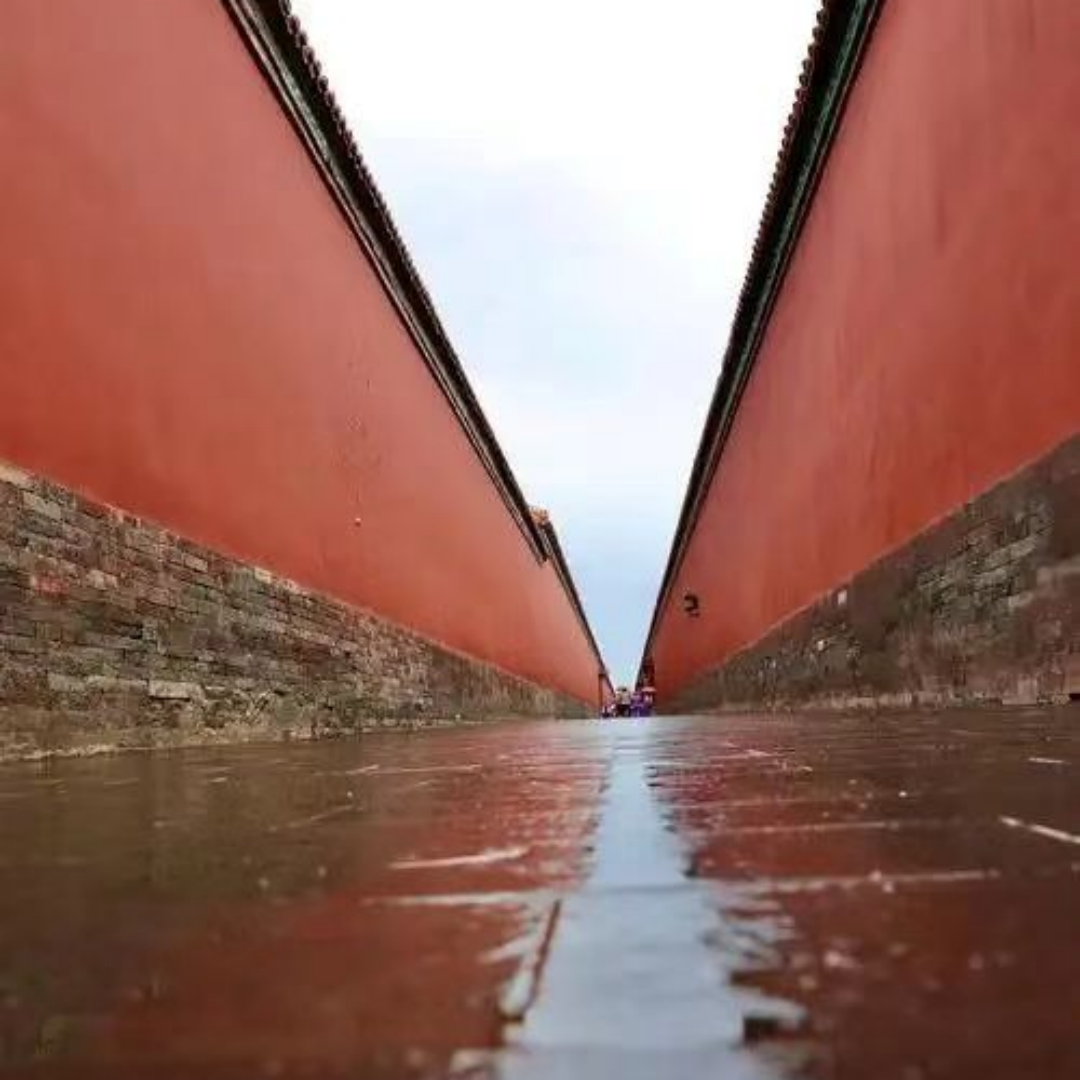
<point x="634" y="979"/>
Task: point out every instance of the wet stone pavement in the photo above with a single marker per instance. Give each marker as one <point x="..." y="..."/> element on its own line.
<point x="738" y="897"/>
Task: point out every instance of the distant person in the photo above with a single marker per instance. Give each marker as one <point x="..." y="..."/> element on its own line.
<point x="648" y="700"/>
<point x="622" y="701"/>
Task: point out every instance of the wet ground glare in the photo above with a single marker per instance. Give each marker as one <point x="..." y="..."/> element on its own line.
<point x="739" y="897"/>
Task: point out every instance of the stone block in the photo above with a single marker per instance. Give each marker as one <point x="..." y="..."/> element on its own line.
<point x="164" y="690"/>
<point x="1071" y="674"/>
<point x="13" y="475"/>
<point x="1025" y="691"/>
<point x="44" y="507"/>
<point x="981" y="607"/>
<point x="65" y="684"/>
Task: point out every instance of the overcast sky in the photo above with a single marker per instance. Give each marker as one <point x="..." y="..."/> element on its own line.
<point x="579" y="182"/>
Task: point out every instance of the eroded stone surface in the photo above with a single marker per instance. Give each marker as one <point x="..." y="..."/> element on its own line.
<point x="983" y="606"/>
<point x="116" y="632"/>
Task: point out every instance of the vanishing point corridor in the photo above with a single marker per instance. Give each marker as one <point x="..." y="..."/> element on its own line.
<point x="381" y="702"/>
<point x="891" y="897"/>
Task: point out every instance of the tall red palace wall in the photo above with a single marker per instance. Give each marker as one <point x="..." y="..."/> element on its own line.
<point x="926" y="341"/>
<point x="189" y="331"/>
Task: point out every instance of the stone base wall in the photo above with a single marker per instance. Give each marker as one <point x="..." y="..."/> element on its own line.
<point x="983" y="607"/>
<point x="114" y="631"/>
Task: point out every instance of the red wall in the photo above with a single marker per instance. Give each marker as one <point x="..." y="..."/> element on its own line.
<point x="927" y="339"/>
<point x="188" y="330"/>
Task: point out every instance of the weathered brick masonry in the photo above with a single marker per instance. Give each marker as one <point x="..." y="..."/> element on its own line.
<point x="982" y="607"/>
<point x="114" y="631"/>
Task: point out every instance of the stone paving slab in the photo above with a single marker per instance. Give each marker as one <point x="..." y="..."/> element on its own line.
<point x="741" y="897"/>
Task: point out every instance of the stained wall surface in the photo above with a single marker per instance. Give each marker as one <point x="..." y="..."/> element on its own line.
<point x="188" y="330"/>
<point x="926" y="341"/>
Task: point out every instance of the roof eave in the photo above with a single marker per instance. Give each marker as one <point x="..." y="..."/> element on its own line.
<point x="841" y="36"/>
<point x="562" y="570"/>
<point x="278" y="43"/>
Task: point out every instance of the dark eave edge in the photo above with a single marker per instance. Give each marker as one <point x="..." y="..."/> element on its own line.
<point x="277" y="42"/>
<point x="562" y="569"/>
<point x="274" y="37"/>
<point x="840" y="40"/>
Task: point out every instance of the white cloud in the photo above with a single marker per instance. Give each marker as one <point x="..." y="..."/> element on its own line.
<point x="580" y="182"/>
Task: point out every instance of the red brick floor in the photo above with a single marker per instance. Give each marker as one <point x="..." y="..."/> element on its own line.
<point x="885" y="897"/>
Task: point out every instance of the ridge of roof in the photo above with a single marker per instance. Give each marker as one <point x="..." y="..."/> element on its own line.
<point x="841" y="34"/>
<point x="274" y="35"/>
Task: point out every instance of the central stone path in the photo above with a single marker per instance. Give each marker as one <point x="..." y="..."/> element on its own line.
<point x="632" y="983"/>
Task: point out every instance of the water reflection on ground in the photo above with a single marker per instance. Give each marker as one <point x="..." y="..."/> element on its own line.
<point x="736" y="897"/>
<point x="351" y="907"/>
<point x="917" y="878"/>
